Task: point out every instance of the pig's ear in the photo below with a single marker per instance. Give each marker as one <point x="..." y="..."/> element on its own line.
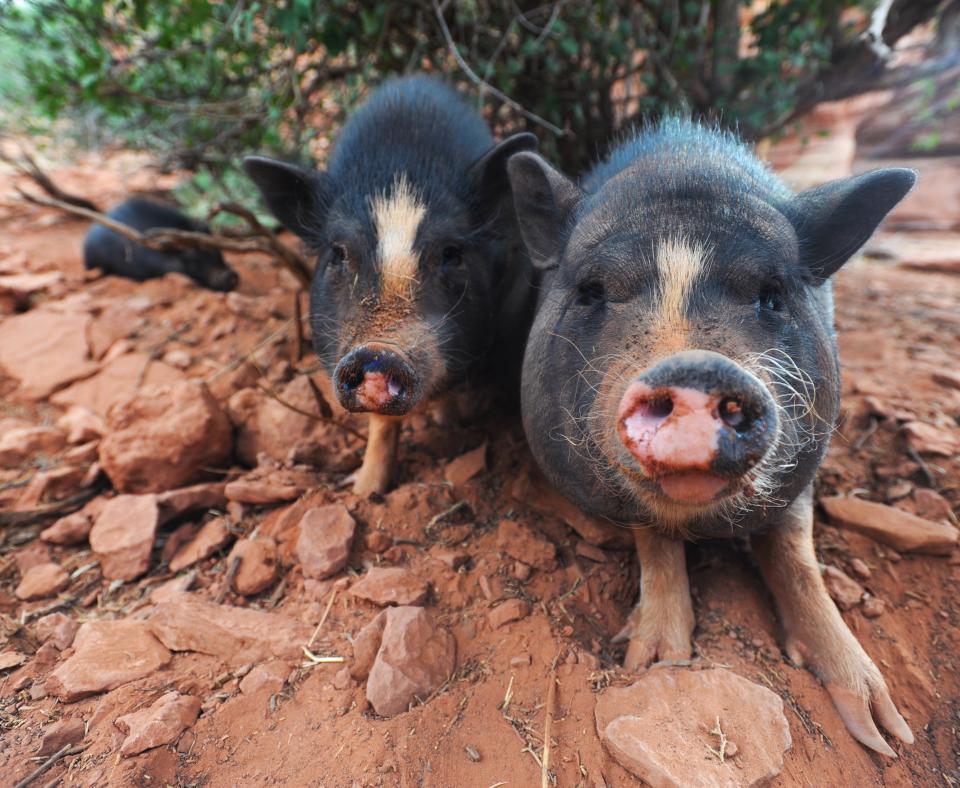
<point x="544" y="200"/>
<point x="489" y="172"/>
<point x="834" y="220"/>
<point x="297" y="197"/>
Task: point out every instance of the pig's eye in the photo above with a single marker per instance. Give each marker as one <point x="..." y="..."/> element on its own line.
<point x="338" y="255"/>
<point x="770" y="300"/>
<point x="452" y="255"/>
<point x="590" y="292"/>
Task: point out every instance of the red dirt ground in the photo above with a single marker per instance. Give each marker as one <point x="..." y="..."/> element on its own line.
<point x="896" y="328"/>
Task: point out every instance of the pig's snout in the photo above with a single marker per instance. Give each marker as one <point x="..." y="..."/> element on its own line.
<point x="697" y="422"/>
<point x="376" y="379"/>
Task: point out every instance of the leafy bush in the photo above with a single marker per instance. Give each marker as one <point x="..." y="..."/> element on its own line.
<point x="203" y="82"/>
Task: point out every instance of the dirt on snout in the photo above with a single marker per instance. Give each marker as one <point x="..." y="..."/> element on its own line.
<point x="225" y="633"/>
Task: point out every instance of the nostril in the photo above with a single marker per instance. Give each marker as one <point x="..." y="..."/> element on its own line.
<point x="352" y="378"/>
<point x="735" y="414"/>
<point x="394" y="387"/>
<point x="659" y="407"/>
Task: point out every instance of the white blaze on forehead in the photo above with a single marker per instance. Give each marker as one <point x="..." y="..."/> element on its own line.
<point x="680" y="262"/>
<point x="396" y="217"/>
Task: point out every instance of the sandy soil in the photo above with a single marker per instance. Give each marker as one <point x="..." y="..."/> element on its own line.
<point x="897" y="327"/>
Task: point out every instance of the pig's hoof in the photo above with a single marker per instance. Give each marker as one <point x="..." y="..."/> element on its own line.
<point x="859" y="708"/>
<point x="655" y="638"/>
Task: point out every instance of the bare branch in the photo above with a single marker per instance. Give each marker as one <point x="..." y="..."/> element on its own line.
<point x="30" y="169"/>
<point x="485" y="87"/>
<point x="163" y="239"/>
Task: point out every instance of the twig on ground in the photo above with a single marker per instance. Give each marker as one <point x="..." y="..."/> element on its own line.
<point x="31" y="516"/>
<point x="67" y="749"/>
<point x="323" y="618"/>
<point x="545" y="780"/>
<point x="924" y="468"/>
<point x="228" y="579"/>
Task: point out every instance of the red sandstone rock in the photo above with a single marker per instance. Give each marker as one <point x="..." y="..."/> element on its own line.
<point x="391" y="586"/>
<point x="891" y="526"/>
<point x="270" y="676"/>
<point x="234" y="634"/>
<point x="927" y="439"/>
<point x="116" y="382"/>
<point x="27" y="443"/>
<point x="505" y="612"/>
<point x="81" y="425"/>
<point x="163" y="437"/>
<point x="531" y="489"/>
<point x="57" y="735"/>
<point x="270" y="485"/>
<point x="931" y="505"/>
<point x="462" y="469"/>
<point x="158" y="724"/>
<point x="45" y="350"/>
<point x="123" y="535"/>
<point x="659" y="727"/>
<point x="212" y="536"/>
<point x="258" y="565"/>
<point x="197" y="498"/>
<point x="106" y="655"/>
<point x="873" y="607"/>
<point x="415" y="657"/>
<point x="846" y="591"/>
<point x="326" y="534"/>
<point x="527" y="545"/>
<point x="366" y="645"/>
<point x="947" y="379"/>
<point x="58" y="629"/>
<point x="41" y="581"/>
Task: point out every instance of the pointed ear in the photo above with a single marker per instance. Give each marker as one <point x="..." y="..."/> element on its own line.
<point x="544" y="199"/>
<point x="489" y="172"/>
<point x="834" y="220"/>
<point x="297" y="197"/>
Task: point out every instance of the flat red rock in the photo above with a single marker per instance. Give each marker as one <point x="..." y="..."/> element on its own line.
<point x="326" y="535"/>
<point x="891" y="526"/>
<point x="414" y="658"/>
<point x="163" y="437"/>
<point x="160" y="723"/>
<point x="123" y="535"/>
<point x="391" y="586"/>
<point x="659" y="728"/>
<point x="42" y="581"/>
<point x="234" y="634"/>
<point x="106" y="655"/>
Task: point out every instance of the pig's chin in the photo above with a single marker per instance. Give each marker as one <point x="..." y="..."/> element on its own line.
<point x="693" y="488"/>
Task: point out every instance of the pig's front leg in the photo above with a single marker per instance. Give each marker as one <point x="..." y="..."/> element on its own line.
<point x="661" y="624"/>
<point x="816" y="633"/>
<point x="380" y="457"/>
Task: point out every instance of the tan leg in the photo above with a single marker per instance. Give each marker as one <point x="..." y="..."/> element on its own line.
<point x="816" y="633"/>
<point x="661" y="624"/>
<point x="380" y="457"/>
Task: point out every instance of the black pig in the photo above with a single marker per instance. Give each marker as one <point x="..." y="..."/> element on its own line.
<point x="681" y="374"/>
<point x="419" y="262"/>
<point x="113" y="254"/>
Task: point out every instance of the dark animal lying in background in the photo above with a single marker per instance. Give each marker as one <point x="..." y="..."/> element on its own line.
<point x="682" y="377"/>
<point x="113" y="254"/>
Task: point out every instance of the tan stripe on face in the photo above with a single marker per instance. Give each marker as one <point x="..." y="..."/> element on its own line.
<point x="396" y="218"/>
<point x="680" y="262"/>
